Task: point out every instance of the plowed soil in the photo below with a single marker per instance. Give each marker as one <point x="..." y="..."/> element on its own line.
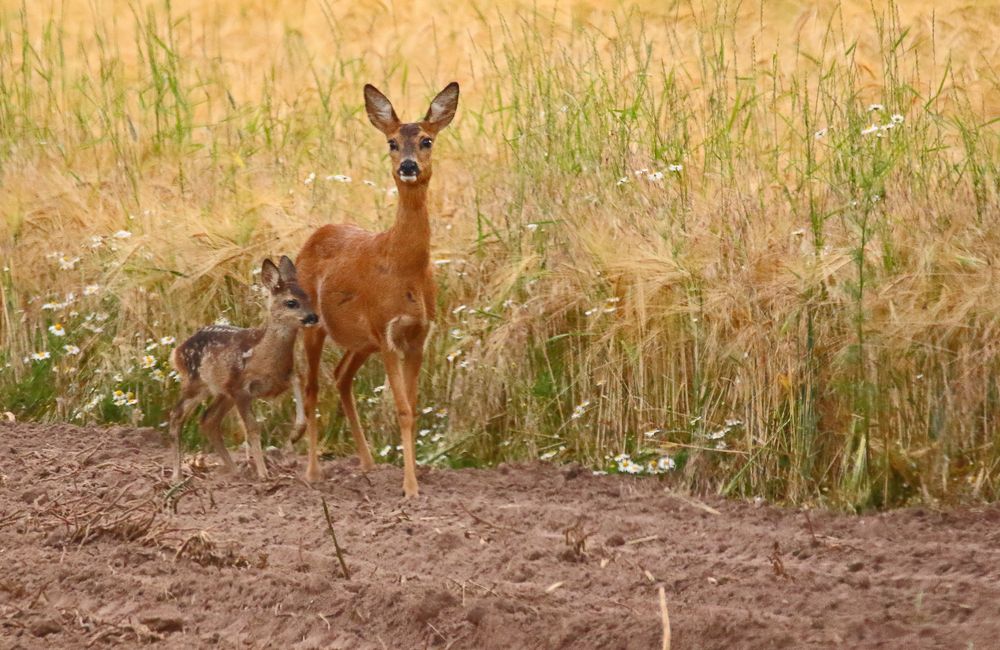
<point x="96" y="550"/>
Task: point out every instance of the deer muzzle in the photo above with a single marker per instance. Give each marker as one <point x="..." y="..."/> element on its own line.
<point x="408" y="171"/>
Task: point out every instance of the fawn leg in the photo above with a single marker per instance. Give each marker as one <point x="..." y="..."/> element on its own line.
<point x="300" y="410"/>
<point x="211" y="421"/>
<point x="190" y="397"/>
<point x="244" y="406"/>
<point x="349" y="367"/>
<point x="404" y="413"/>
<point x="313" y="343"/>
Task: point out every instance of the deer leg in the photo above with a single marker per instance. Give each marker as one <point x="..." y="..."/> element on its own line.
<point x="313" y="343"/>
<point x="347" y="369"/>
<point x="211" y="421"/>
<point x="244" y="406"/>
<point x="178" y="415"/>
<point x="404" y="412"/>
<point x="411" y="373"/>
<point x="300" y="410"/>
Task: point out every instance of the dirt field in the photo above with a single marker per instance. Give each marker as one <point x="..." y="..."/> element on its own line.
<point x="536" y="556"/>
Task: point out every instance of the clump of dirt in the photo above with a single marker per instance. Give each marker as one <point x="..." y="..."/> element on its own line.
<point x="98" y="549"/>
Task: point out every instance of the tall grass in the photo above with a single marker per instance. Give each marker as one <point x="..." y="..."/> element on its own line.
<point x="657" y="232"/>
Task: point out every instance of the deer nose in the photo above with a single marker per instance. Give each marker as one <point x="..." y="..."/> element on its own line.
<point x="311" y="319"/>
<point x="409" y="168"/>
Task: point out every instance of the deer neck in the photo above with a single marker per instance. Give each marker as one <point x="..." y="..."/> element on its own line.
<point x="410" y="236"/>
<point x="278" y="342"/>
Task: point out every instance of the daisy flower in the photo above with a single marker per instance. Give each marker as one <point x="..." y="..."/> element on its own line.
<point x="665" y="464"/>
<point x="67" y="263"/>
<point x="57" y="329"/>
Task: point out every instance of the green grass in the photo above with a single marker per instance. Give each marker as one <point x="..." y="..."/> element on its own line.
<point x="784" y="304"/>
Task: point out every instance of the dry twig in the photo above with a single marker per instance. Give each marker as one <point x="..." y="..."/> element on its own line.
<point x="333" y="536"/>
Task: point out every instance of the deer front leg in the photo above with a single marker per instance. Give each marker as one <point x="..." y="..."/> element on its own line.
<point x="312" y="341"/>
<point x="244" y="405"/>
<point x="300" y="410"/>
<point x="348" y="368"/>
<point x="404" y="412"/>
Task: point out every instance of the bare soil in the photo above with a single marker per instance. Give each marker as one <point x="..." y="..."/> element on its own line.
<point x="97" y="551"/>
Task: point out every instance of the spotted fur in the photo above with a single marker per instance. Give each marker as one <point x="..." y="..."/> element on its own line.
<point x="234" y="365"/>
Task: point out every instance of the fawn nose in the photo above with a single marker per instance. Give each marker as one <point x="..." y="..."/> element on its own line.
<point x="311" y="319"/>
<point x="409" y="168"/>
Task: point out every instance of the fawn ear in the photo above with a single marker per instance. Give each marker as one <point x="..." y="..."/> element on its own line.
<point x="380" y="110"/>
<point x="269" y="275"/>
<point x="443" y="108"/>
<point x="287" y="269"/>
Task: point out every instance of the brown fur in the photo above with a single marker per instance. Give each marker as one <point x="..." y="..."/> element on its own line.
<point x="375" y="292"/>
<point x="235" y="366"/>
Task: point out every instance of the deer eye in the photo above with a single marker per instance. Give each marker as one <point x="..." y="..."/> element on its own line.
<point x="426" y="143"/>
<point x="393" y="145"/>
<point x="292" y="304"/>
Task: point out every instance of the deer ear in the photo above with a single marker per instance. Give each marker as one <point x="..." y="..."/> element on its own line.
<point x="443" y="108"/>
<point x="287" y="269"/>
<point x="269" y="275"/>
<point x="380" y="110"/>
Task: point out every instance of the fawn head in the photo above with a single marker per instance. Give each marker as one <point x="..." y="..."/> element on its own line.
<point x="289" y="305"/>
<point x="410" y="144"/>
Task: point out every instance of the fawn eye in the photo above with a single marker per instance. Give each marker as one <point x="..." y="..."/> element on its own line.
<point x="292" y="304"/>
<point x="393" y="145"/>
<point x="426" y="143"/>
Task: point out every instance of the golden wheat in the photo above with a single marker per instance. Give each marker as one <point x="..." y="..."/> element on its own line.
<point x="785" y="302"/>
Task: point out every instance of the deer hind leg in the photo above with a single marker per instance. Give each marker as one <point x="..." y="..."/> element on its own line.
<point x="396" y="370"/>
<point x="345" y="373"/>
<point x="211" y="424"/>
<point x="190" y="397"/>
<point x="313" y="344"/>
<point x="244" y="406"/>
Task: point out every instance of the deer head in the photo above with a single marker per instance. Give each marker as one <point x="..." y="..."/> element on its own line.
<point x="410" y="144"/>
<point x="289" y="304"/>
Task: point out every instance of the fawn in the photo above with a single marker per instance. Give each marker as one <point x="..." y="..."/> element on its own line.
<point x="374" y="292"/>
<point x="234" y="365"/>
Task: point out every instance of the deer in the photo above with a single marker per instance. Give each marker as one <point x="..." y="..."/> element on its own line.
<point x="375" y="292"/>
<point x="234" y="366"/>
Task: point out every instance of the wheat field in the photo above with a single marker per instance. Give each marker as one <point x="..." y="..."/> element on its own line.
<point x="749" y="245"/>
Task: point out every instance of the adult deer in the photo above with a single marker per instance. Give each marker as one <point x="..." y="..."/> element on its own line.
<point x="375" y="292"/>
